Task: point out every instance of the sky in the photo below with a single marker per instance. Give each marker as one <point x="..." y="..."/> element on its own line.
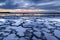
<point x="30" y="4"/>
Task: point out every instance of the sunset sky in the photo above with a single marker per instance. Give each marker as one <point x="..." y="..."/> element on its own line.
<point x="30" y="4"/>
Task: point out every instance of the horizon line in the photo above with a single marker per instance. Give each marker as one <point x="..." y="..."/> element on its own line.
<point x="26" y="10"/>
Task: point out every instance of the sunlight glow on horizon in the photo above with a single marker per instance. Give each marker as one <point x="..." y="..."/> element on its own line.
<point x="27" y="10"/>
<point x="21" y="10"/>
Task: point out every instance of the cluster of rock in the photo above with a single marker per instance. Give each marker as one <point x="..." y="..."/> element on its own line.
<point x="29" y="29"/>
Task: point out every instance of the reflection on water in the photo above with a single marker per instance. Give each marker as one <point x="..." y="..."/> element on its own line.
<point x="29" y="28"/>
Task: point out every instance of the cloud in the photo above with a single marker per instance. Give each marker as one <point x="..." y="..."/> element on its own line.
<point x="30" y="4"/>
<point x="2" y="1"/>
<point x="47" y="3"/>
<point x="9" y="4"/>
<point x="1" y="4"/>
<point x="57" y="3"/>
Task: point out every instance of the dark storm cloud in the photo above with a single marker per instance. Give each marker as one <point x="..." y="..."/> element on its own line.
<point x="30" y="4"/>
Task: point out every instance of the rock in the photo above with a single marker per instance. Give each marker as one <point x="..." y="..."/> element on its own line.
<point x="49" y="26"/>
<point x="2" y="21"/>
<point x="18" y="22"/>
<point x="29" y="28"/>
<point x="1" y="36"/>
<point x="36" y="29"/>
<point x="2" y="28"/>
<point x="27" y="34"/>
<point x="22" y="38"/>
<point x="38" y="34"/>
<point x="20" y="31"/>
<point x="57" y="33"/>
<point x="9" y="22"/>
<point x="45" y="29"/>
<point x="57" y="25"/>
<point x="50" y="37"/>
<point x="27" y="25"/>
<point x="11" y="37"/>
<point x="34" y="38"/>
